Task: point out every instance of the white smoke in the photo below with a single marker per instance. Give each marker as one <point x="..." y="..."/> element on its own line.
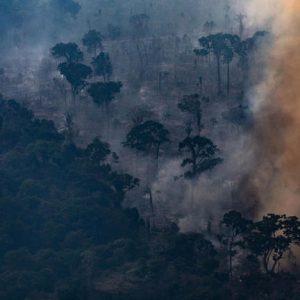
<point x="194" y="204"/>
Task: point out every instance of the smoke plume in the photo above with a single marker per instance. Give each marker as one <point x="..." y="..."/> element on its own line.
<point x="276" y="175"/>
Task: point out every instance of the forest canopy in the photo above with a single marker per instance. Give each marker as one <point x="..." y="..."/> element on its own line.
<point x="138" y="141"/>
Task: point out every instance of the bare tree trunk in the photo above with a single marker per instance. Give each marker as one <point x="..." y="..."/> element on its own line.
<point x="219" y="75"/>
<point x="157" y="157"/>
<point x="201" y="85"/>
<point x="142" y="71"/>
<point x="74" y="98"/>
<point x="199" y="122"/>
<point x="228" y="78"/>
<point x="230" y="257"/>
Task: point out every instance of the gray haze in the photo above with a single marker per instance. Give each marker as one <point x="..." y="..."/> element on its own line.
<point x="28" y="73"/>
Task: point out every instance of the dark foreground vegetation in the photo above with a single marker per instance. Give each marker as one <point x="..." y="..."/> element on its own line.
<point x="138" y="213"/>
<point x="65" y="235"/>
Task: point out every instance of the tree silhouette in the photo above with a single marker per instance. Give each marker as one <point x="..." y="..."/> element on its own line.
<point x="70" y="131"/>
<point x="268" y="239"/>
<point x="147" y="137"/>
<point x="209" y="27"/>
<point x="98" y="151"/>
<point x="192" y="105"/>
<point x="245" y="47"/>
<point x="227" y="59"/>
<point x="139" y="114"/>
<point x="92" y="40"/>
<point x="235" y="227"/>
<point x="201" y="155"/>
<point x="69" y="51"/>
<point x="76" y="74"/>
<point x="271" y="237"/>
<point x="240" y="19"/>
<point x="218" y="45"/>
<point x="102" y="65"/>
<point x="104" y="92"/>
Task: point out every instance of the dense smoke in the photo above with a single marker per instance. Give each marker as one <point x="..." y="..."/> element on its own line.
<point x="261" y="172"/>
<point x="197" y="203"/>
<point x="276" y="175"/>
<point x="272" y="93"/>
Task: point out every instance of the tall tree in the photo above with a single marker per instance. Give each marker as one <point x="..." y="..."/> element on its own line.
<point x="92" y="40"/>
<point x="227" y="18"/>
<point x="232" y="238"/>
<point x="70" y="131"/>
<point x="241" y="20"/>
<point x="103" y="93"/>
<point x="217" y="44"/>
<point x="69" y="51"/>
<point x="98" y="151"/>
<point x="102" y="66"/>
<point x="147" y="137"/>
<point x="191" y="104"/>
<point x="227" y="59"/>
<point x="267" y="239"/>
<point x="246" y="47"/>
<point x="209" y="27"/>
<point x="202" y="155"/>
<point x="271" y="237"/>
<point x="76" y="74"/>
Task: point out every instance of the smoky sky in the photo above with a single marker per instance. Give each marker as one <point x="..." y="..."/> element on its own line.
<point x="276" y="105"/>
<point x="29" y="28"/>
